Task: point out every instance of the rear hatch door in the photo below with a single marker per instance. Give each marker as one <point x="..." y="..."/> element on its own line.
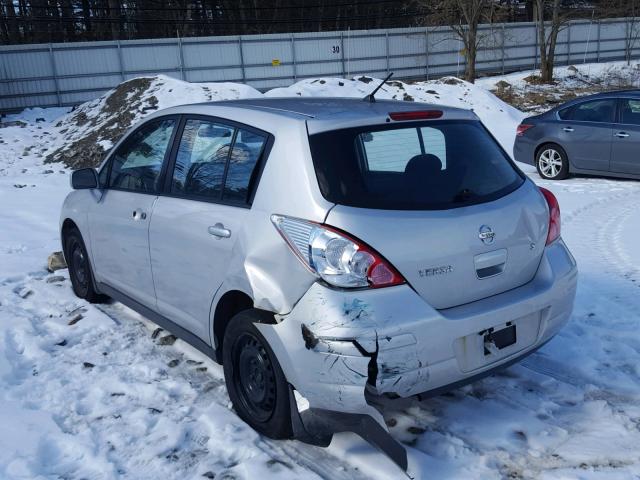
<point x="455" y="256"/>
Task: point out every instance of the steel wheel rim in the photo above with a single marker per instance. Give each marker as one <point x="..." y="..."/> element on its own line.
<point x="550" y="162"/>
<point x="80" y="267"/>
<point x="254" y="377"/>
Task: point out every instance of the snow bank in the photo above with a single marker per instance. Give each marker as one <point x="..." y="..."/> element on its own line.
<point x="81" y="137"/>
<point x="500" y="118"/>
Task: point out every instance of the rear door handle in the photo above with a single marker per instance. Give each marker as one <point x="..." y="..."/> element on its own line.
<point x="219" y="230"/>
<point x="622" y="134"/>
<point x="568" y="129"/>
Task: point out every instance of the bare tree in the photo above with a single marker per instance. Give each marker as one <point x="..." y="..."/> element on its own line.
<point x="464" y="18"/>
<point x="548" y="31"/>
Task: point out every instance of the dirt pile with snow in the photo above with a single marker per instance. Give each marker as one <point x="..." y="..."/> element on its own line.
<point x="84" y="135"/>
<point x="80" y="138"/>
<point x="527" y="92"/>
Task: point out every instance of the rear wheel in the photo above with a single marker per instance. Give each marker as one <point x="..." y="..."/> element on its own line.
<point x="80" y="268"/>
<point x="256" y="384"/>
<point x="552" y="162"/>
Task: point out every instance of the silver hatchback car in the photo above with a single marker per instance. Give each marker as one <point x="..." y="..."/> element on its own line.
<point x="330" y="253"/>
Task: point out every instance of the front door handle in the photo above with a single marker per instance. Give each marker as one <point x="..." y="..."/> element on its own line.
<point x="139" y="214"/>
<point x="622" y="134"/>
<point x="568" y="129"/>
<point x="219" y="230"/>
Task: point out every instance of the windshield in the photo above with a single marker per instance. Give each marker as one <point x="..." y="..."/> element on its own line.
<point x="416" y="166"/>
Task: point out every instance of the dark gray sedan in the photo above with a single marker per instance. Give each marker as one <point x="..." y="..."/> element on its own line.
<point x="597" y="135"/>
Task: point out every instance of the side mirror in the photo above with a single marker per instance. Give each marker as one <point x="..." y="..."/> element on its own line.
<point x="84" y="178"/>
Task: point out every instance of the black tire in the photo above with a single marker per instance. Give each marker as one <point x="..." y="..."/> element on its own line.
<point x="256" y="384"/>
<point x="552" y="162"/>
<point x="80" y="273"/>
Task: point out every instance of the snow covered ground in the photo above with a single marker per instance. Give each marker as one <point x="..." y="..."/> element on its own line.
<point x="99" y="392"/>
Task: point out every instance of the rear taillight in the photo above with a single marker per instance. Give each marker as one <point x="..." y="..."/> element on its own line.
<point x="523" y="127"/>
<point x="554" y="215"/>
<point x="336" y="257"/>
<point x="415" y="115"/>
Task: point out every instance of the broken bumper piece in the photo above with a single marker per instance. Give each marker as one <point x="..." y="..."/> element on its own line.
<point x="335" y="344"/>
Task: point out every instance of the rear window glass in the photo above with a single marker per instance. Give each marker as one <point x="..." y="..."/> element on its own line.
<point x="446" y="164"/>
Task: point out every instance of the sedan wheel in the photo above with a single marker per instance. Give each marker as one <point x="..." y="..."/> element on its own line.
<point x="552" y="163"/>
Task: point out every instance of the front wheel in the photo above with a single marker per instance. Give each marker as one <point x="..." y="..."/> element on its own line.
<point x="256" y="384"/>
<point x="79" y="266"/>
<point x="552" y="162"/>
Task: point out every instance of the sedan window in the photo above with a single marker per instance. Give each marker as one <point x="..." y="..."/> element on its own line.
<point x="630" y="111"/>
<point x="599" y="111"/>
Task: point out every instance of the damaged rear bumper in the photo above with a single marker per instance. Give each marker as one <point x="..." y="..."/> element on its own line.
<point x="336" y="343"/>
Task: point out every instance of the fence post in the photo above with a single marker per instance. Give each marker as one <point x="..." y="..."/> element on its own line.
<point x="181" y="55"/>
<point x="241" y="58"/>
<point x="426" y="51"/>
<point x="120" y="62"/>
<point x="598" y="51"/>
<point x="502" y="47"/>
<point x="54" y="70"/>
<point x="293" y="57"/>
<point x="569" y="44"/>
<point x="342" y="53"/>
<point x="386" y="38"/>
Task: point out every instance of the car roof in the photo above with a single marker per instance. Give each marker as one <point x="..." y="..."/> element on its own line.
<point x="632" y="93"/>
<point x="319" y="113"/>
<point x="331" y="107"/>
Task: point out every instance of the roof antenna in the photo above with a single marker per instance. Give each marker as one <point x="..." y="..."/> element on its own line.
<point x="371" y="97"/>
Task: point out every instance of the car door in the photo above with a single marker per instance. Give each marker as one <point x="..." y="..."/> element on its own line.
<point x="585" y="133"/>
<point x="625" y="150"/>
<point x="196" y="223"/>
<point x="119" y="220"/>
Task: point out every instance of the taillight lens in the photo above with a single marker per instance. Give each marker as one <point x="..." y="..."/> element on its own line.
<point x="554" y="215"/>
<point x="523" y="127"/>
<point x="337" y="258"/>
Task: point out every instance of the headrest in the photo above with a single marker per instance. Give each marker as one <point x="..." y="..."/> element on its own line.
<point x="424" y="165"/>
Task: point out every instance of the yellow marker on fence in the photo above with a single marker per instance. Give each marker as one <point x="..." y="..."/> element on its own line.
<point x="275" y="62"/>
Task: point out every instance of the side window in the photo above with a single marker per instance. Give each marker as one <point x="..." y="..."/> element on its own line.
<point x="245" y="154"/>
<point x="137" y="163"/>
<point x="434" y="144"/>
<point x="103" y="176"/>
<point x="202" y="158"/>
<point x="600" y="111"/>
<point x="630" y="111"/>
<point x="390" y="150"/>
